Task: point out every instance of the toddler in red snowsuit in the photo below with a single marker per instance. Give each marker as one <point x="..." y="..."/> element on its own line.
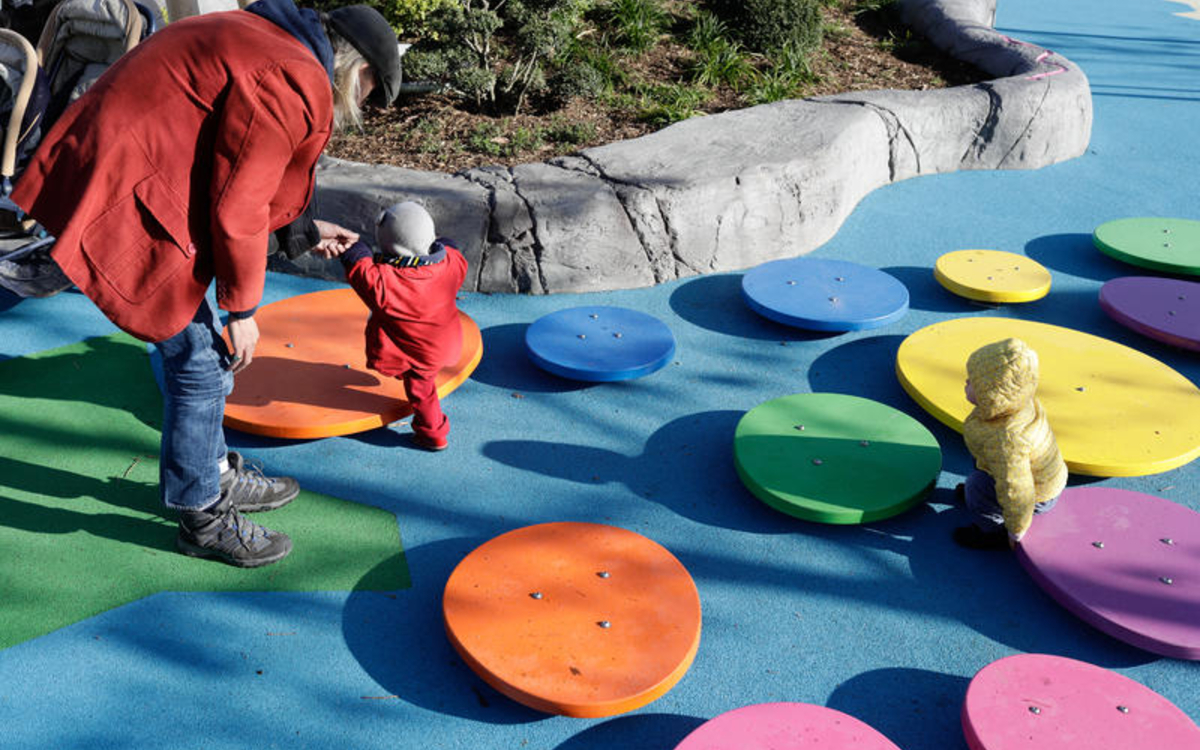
<point x="413" y="331"/>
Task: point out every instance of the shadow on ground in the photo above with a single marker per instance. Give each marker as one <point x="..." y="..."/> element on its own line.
<point x="911" y="707"/>
<point x="399" y="640"/>
<point x="657" y="731"/>
<point x="715" y="303"/>
<point x="685" y="466"/>
<point x="506" y="364"/>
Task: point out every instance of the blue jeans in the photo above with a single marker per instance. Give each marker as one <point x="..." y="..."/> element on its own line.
<point x="980" y="495"/>
<point x="196" y="373"/>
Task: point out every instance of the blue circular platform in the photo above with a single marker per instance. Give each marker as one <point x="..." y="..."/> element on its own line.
<point x="824" y="295"/>
<point x="599" y="344"/>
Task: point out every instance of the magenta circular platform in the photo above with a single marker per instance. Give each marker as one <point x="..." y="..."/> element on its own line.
<point x="1167" y="310"/>
<point x="1040" y="702"/>
<point x="1125" y="562"/>
<point x="784" y="726"/>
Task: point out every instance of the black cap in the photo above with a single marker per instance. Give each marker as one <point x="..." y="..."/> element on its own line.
<point x="369" y="32"/>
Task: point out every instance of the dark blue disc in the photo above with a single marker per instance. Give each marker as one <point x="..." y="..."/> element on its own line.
<point x="599" y="344"/>
<point x="824" y="295"/>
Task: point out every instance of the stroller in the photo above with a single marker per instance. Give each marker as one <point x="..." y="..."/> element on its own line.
<point x="80" y="40"/>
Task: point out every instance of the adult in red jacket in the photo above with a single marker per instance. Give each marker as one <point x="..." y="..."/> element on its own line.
<point x="172" y="171"/>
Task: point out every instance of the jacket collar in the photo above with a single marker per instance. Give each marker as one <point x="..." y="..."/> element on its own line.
<point x="302" y="23"/>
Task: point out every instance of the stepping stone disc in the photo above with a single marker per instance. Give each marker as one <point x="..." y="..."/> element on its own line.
<point x="1171" y="245"/>
<point x="578" y="619"/>
<point x="1115" y="411"/>
<point x="1054" y="703"/>
<point x="599" y="344"/>
<point x="824" y="295"/>
<point x="1164" y="309"/>
<point x="834" y="458"/>
<point x="992" y="276"/>
<point x="309" y="377"/>
<point x="1124" y="562"/>
<point x="784" y="726"/>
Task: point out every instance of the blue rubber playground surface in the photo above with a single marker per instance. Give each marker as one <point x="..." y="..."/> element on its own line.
<point x="887" y="621"/>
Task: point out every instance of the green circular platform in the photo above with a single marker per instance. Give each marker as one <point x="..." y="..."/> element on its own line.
<point x="1171" y="245"/>
<point x="833" y="458"/>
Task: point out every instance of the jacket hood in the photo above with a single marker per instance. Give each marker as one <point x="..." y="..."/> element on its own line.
<point x="302" y="23"/>
<point x="1004" y="376"/>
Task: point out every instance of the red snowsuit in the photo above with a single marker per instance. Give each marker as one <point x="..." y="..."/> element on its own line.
<point x="414" y="329"/>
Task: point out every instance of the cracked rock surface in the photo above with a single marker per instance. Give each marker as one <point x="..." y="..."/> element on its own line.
<point x="733" y="190"/>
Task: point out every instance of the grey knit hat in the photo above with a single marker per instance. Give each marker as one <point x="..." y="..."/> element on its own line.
<point x="369" y="32"/>
<point x="405" y="229"/>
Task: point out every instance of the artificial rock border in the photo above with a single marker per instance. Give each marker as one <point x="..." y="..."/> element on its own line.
<point x="730" y="191"/>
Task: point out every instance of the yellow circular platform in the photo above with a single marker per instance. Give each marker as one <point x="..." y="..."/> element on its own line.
<point x="309" y="377"/>
<point x="992" y="276"/>
<point x="1115" y="411"/>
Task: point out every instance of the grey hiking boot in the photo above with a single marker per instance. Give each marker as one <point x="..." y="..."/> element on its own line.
<point x="223" y="533"/>
<point x="251" y="490"/>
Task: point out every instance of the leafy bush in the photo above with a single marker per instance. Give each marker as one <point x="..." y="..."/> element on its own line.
<point x="765" y="25"/>
<point x="666" y="104"/>
<point x="637" y="24"/>
<point x="720" y="63"/>
<point x="496" y="53"/>
<point x="408" y="16"/>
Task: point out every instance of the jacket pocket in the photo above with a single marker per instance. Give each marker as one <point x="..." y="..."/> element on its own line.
<point x="140" y="242"/>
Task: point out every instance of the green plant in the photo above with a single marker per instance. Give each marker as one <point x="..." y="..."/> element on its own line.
<point x="665" y="104"/>
<point x="499" y="71"/>
<point x="771" y="85"/>
<point x="637" y="24"/>
<point x="707" y="31"/>
<point x="561" y="130"/>
<point x="764" y="25"/>
<point x="722" y="63"/>
<point x="408" y="16"/>
<point x="487" y="138"/>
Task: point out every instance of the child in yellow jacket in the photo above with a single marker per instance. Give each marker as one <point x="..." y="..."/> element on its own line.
<point x="1020" y="470"/>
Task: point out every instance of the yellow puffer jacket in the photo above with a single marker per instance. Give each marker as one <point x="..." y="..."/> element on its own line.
<point x="1008" y="433"/>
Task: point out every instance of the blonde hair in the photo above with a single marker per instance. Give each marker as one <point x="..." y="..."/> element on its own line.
<point x="346" y="63"/>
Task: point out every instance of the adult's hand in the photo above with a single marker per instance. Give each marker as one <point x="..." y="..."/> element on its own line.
<point x="243" y="336"/>
<point x="335" y="239"/>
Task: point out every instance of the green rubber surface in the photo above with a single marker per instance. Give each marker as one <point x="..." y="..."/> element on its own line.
<point x="854" y="461"/>
<point x="1171" y="245"/>
<point x="81" y="526"/>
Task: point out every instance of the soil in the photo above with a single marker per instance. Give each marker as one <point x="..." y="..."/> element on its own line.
<point x="432" y="132"/>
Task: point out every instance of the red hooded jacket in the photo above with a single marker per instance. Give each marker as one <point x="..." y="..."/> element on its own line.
<point x="414" y="320"/>
<point x="177" y="164"/>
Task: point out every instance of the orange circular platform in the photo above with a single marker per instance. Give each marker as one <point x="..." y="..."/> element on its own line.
<point x="309" y="376"/>
<point x="579" y="619"/>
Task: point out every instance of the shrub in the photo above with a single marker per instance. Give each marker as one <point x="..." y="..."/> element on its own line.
<point x="496" y="52"/>
<point x="722" y="62"/>
<point x="637" y="24"/>
<point x="765" y="25"/>
<point x="578" y="78"/>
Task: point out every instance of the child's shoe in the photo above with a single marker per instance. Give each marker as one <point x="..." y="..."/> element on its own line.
<point x="430" y="443"/>
<point x="973" y="537"/>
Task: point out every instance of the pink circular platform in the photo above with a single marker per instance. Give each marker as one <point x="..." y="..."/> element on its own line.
<point x="1040" y="702"/>
<point x="784" y="726"/>
<point x="1125" y="562"/>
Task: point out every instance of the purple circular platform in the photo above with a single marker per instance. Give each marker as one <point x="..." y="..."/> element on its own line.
<point x="1124" y="562"/>
<point x="1042" y="702"/>
<point x="1167" y="310"/>
<point x="784" y="726"/>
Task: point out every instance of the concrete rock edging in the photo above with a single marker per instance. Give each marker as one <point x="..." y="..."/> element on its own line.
<point x="730" y="191"/>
